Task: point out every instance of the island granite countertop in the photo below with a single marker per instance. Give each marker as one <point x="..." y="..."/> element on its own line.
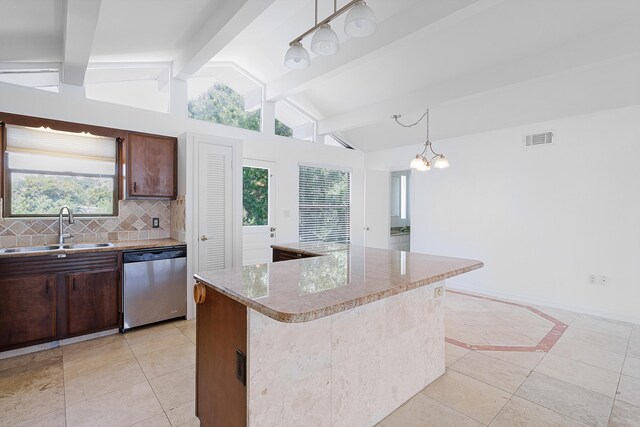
<point x="340" y="277"/>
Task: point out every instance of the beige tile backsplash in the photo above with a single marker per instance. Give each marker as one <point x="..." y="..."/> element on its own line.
<point x="132" y="223"/>
<point x="178" y="226"/>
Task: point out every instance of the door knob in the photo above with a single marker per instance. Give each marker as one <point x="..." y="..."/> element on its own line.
<point x="271" y="235"/>
<point x="367" y="229"/>
<point x="272" y="229"/>
<point x="204" y="237"/>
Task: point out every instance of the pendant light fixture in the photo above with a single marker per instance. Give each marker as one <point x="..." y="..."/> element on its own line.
<point x="424" y="161"/>
<point x="360" y="22"/>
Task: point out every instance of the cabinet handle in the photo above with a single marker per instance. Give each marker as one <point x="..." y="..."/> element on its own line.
<point x="135" y="186"/>
<point x="199" y="293"/>
<point x="74" y="284"/>
<point x="46" y="288"/>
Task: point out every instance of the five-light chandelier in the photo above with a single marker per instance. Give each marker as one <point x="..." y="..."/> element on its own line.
<point x="360" y="22"/>
<point x="424" y="161"/>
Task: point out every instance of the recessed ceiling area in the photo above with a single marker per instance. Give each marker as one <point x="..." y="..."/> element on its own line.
<point x="477" y="64"/>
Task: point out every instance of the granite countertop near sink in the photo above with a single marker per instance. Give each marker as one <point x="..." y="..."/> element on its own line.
<point x="117" y="246"/>
<point x="340" y="278"/>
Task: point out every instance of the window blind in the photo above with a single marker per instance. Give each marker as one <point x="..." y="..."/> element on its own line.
<point x="324" y="204"/>
<point x="49" y="142"/>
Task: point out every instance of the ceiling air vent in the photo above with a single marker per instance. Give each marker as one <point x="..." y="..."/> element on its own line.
<point x="539" y="139"/>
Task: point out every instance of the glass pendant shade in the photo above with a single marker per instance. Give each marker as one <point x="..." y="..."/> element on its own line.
<point x="360" y="21"/>
<point x="425" y="166"/>
<point x="416" y="163"/>
<point x="441" y="162"/>
<point x="325" y="41"/>
<point x="297" y="57"/>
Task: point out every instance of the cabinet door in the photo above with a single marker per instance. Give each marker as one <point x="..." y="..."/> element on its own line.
<point x="92" y="301"/>
<point x="151" y="166"/>
<point x="27" y="310"/>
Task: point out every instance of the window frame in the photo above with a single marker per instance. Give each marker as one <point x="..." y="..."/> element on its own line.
<point x="348" y="171"/>
<point x="28" y="121"/>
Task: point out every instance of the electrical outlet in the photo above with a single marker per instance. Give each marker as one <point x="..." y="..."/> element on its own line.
<point x="603" y="280"/>
<point x="592" y="279"/>
<point x="597" y="280"/>
<point x="155" y="222"/>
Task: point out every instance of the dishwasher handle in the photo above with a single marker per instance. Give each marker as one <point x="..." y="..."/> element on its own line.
<point x="155" y="254"/>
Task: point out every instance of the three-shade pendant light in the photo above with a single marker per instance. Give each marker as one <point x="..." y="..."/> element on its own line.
<point x="360" y="22"/>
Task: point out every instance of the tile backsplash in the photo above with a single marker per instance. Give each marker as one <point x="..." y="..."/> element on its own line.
<point x="178" y="226"/>
<point x="132" y="223"/>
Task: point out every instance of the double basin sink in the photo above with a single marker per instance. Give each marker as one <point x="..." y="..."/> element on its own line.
<point x="50" y="248"/>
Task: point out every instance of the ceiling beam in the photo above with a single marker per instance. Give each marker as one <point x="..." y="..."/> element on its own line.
<point x="419" y="20"/>
<point x="81" y="18"/>
<point x="589" y="50"/>
<point x="222" y="26"/>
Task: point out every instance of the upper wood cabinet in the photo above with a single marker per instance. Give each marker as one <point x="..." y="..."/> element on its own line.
<point x="151" y="166"/>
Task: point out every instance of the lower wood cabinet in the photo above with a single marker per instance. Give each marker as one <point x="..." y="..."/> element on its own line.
<point x="92" y="301"/>
<point x="27" y="309"/>
<point x="46" y="298"/>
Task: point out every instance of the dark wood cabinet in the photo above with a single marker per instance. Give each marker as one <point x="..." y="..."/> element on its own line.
<point x="151" y="166"/>
<point x="92" y="301"/>
<point x="46" y="298"/>
<point x="221" y="346"/>
<point x="27" y="309"/>
<point x="282" y="255"/>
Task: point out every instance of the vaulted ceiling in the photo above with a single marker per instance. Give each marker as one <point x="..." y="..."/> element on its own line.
<point x="478" y="64"/>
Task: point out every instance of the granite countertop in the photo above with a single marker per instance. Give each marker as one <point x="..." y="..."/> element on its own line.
<point x="340" y="278"/>
<point x="117" y="246"/>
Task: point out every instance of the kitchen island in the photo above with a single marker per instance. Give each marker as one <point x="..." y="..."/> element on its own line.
<point x="339" y="335"/>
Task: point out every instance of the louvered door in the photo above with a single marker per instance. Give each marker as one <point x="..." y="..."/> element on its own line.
<point x="214" y="206"/>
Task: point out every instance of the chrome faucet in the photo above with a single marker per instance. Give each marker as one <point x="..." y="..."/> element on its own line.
<point x="61" y="233"/>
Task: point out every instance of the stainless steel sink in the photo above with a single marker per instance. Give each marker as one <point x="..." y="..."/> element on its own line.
<point x="49" y="248"/>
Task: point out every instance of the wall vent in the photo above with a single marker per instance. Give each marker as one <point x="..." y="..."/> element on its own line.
<point x="539" y="139"/>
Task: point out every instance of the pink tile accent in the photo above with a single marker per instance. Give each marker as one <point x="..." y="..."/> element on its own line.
<point x="545" y="343"/>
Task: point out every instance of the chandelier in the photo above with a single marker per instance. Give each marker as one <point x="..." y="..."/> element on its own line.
<point x="360" y="22"/>
<point x="425" y="160"/>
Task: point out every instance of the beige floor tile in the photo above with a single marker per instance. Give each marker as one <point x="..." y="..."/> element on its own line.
<point x="168" y="360"/>
<point x="167" y="338"/>
<point x="566" y="317"/>
<point x="159" y="420"/>
<point x="629" y="390"/>
<point x="525" y="359"/>
<point x="624" y="415"/>
<point x="132" y="334"/>
<point x="495" y="372"/>
<point x="31" y="391"/>
<point x="453" y="353"/>
<point x="568" y="399"/>
<point x="26" y="359"/>
<point x="593" y="355"/>
<point x="469" y="396"/>
<point x="634" y="349"/>
<point x="175" y="388"/>
<point x="521" y="412"/>
<point x="193" y="423"/>
<point x="423" y="411"/>
<point x="183" y="414"/>
<point x="189" y="330"/>
<point x="580" y="374"/>
<point x="54" y="419"/>
<point x="605" y="326"/>
<point x="80" y="386"/>
<point x="607" y="342"/>
<point x="120" y="408"/>
<point x="631" y="367"/>
<point x="90" y="355"/>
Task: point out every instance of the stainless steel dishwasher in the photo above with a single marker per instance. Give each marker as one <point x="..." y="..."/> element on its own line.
<point x="155" y="285"/>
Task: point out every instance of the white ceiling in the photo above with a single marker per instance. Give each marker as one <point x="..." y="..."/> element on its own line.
<point x="478" y="64"/>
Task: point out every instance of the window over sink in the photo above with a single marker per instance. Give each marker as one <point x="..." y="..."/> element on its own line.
<point x="47" y="169"/>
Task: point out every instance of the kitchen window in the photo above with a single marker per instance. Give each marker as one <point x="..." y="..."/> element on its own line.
<point x="324" y="204"/>
<point x="47" y="169"/>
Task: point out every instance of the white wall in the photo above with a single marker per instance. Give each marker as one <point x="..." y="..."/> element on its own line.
<point x="541" y="218"/>
<point x="71" y="105"/>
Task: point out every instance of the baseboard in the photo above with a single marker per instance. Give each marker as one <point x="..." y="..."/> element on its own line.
<point x="536" y="301"/>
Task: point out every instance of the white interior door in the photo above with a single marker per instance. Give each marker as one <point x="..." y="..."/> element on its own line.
<point x="376" y="209"/>
<point x="215" y="225"/>
<point x="258" y="208"/>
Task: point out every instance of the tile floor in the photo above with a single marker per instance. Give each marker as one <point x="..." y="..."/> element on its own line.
<point x="589" y="377"/>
